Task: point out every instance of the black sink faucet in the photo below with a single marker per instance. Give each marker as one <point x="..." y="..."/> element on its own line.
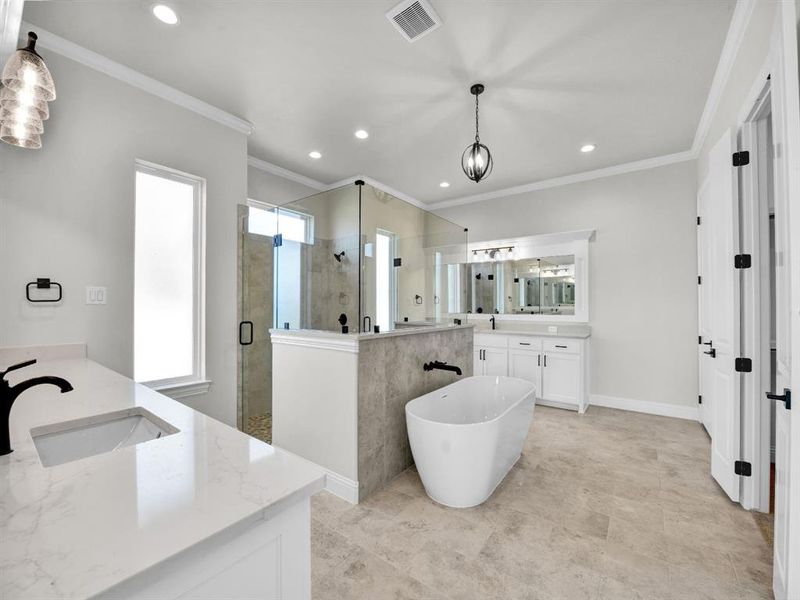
<point x="8" y="394"/>
<point x="492" y="319"/>
<point x="442" y="366"/>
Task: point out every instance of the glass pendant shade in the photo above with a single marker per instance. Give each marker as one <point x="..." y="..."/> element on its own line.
<point x="22" y="117"/>
<point x="17" y="136"/>
<point x="25" y="71"/>
<point x="13" y="100"/>
<point x="477" y="162"/>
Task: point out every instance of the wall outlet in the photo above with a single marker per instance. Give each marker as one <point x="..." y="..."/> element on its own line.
<point x="552" y="329"/>
<point x="95" y="295"/>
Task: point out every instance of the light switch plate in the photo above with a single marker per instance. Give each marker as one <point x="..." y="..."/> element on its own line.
<point x="552" y="329"/>
<point x="95" y="295"/>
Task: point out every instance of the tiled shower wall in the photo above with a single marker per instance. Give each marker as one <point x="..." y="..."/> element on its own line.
<point x="390" y="374"/>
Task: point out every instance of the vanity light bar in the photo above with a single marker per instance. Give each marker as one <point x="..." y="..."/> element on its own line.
<point x="488" y="250"/>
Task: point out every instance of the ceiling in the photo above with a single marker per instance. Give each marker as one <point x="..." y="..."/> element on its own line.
<point x="630" y="76"/>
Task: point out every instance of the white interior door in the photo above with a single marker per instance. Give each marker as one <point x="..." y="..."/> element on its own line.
<point x="704" y="308"/>
<point x="786" y="140"/>
<point x="722" y="284"/>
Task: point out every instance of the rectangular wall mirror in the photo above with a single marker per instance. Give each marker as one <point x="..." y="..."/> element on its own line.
<point x="535" y="278"/>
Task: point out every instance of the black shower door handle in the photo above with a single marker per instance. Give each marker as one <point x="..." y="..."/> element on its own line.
<point x="241" y="333"/>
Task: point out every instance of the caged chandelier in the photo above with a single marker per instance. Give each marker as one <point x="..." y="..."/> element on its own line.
<point x="476" y="159"/>
<point x="26" y="90"/>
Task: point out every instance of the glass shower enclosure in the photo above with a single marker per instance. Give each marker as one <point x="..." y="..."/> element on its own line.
<point x="353" y="259"/>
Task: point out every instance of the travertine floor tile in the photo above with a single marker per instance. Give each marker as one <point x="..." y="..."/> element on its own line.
<point x="608" y="505"/>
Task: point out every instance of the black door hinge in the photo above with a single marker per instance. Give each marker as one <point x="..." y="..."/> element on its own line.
<point x="743" y="365"/>
<point x="699" y="280"/>
<point x="277" y="241"/>
<point x="745" y="469"/>
<point x="742" y="261"/>
<point x="698" y="220"/>
<point x="699" y="399"/>
<point x="741" y="159"/>
<point x="699" y="339"/>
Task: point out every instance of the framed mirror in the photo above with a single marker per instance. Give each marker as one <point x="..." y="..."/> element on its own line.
<point x="540" y="278"/>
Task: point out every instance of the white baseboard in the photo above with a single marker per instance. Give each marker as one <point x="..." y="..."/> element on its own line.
<point x="643" y="406"/>
<point x="345" y="488"/>
<point x="336" y="484"/>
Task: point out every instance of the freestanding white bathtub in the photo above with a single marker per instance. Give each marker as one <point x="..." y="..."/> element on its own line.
<point x="465" y="437"/>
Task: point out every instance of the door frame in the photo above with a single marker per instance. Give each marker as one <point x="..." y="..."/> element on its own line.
<point x="782" y="61"/>
<point x="755" y="296"/>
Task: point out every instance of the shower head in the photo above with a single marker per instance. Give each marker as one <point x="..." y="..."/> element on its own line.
<point x="339" y="256"/>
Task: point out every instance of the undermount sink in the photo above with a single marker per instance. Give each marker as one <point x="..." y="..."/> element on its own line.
<point x="68" y="441"/>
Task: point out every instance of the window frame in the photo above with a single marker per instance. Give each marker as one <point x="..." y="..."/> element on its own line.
<point x="393" y="276"/>
<point x="196" y="382"/>
<point x="277" y="209"/>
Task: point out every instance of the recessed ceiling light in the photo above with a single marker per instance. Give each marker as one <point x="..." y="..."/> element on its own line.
<point x="588" y="147"/>
<point x="361" y="134"/>
<point x="444" y="184"/>
<point x="315" y="154"/>
<point x="165" y="14"/>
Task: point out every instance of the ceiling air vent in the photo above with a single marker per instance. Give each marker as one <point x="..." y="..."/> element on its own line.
<point x="414" y="19"/>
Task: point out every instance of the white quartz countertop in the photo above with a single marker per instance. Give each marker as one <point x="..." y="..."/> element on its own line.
<point x="75" y="530"/>
<point x="570" y="331"/>
<point x="406" y="329"/>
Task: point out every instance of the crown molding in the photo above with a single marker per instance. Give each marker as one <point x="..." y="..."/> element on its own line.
<point x="639" y="165"/>
<point x="274" y="169"/>
<point x="733" y="41"/>
<point x="105" y="65"/>
<point x="381" y="186"/>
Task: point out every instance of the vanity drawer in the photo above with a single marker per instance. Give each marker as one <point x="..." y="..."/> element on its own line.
<point x="562" y="345"/>
<point x="524" y="342"/>
<point x="491" y="340"/>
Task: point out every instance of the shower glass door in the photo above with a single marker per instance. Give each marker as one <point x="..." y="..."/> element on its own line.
<point x="257" y="226"/>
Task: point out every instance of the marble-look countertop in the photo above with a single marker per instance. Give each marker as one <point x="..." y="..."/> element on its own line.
<point x="74" y="530"/>
<point x="563" y="331"/>
<point x="406" y="329"/>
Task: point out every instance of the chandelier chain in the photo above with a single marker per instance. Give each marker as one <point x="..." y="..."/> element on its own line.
<point x="477" y="136"/>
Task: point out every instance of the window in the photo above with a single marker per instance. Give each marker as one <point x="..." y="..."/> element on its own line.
<point x="384" y="280"/>
<point x="266" y="219"/>
<point x="169" y="270"/>
<point x="296" y="228"/>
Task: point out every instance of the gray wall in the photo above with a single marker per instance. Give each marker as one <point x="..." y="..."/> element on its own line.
<point x="643" y="273"/>
<point x="67" y="212"/>
<point x="749" y="60"/>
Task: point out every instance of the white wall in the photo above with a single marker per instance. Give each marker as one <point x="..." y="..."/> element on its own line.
<point x="273" y="189"/>
<point x="643" y="274"/>
<point x="67" y="212"/>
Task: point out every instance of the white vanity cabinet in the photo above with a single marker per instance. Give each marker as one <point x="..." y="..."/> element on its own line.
<point x="490" y="356"/>
<point x="558" y="367"/>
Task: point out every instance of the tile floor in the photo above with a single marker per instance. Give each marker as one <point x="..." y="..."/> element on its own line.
<point x="260" y="427"/>
<point x="609" y="504"/>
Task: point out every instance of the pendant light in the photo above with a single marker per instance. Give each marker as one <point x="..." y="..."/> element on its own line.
<point x="476" y="161"/>
<point x="27" y="88"/>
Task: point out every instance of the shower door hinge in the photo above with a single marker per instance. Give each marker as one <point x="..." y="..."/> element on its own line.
<point x="277" y="240"/>
<point x="741" y="158"/>
<point x="742" y="261"/>
<point x="743" y="365"/>
<point x="698" y="220"/>
<point x="699" y="399"/>
<point x="699" y="280"/>
<point x="745" y="469"/>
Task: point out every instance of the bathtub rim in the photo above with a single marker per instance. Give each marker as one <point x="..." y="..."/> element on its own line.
<point x="460" y="425"/>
